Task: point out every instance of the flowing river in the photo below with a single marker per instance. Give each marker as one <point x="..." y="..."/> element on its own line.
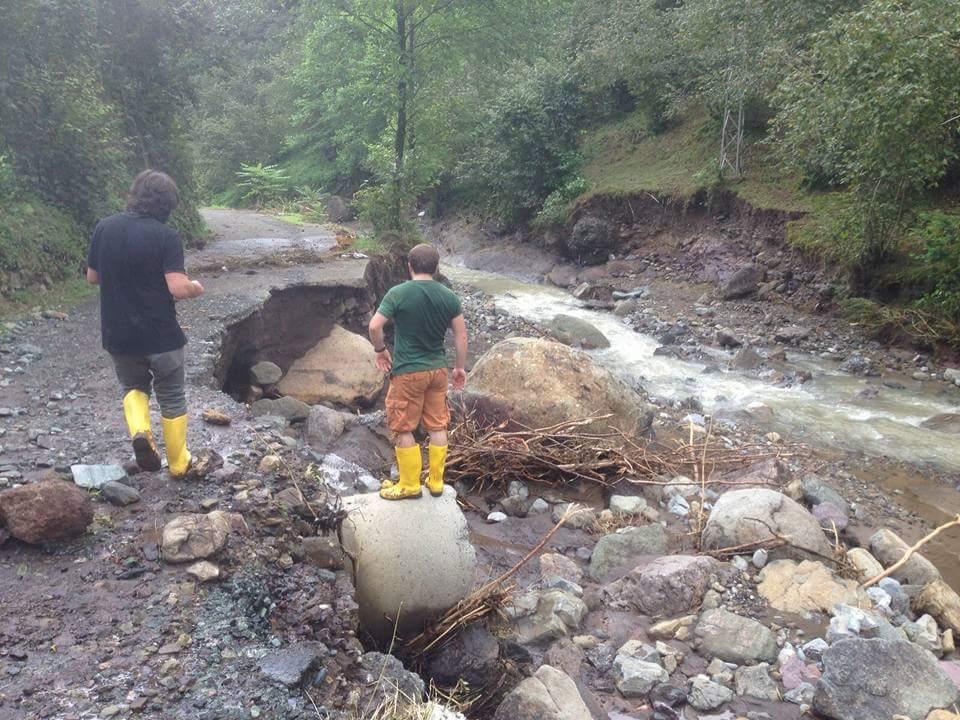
<point x="824" y="412"/>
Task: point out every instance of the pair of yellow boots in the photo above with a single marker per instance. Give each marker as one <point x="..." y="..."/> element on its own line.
<point x="136" y="410"/>
<point x="410" y="465"/>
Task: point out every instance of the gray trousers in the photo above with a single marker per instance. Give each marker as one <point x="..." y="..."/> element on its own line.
<point x="164" y="373"/>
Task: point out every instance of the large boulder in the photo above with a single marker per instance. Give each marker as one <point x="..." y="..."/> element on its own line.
<point x="743" y="517"/>
<point x="742" y="283"/>
<point x="288" y="408"/>
<point x="577" y="333"/>
<point x="669" y="586"/>
<point x="45" y="511"/>
<point x="541" y="383"/>
<point x="734" y="638"/>
<point x="591" y="241"/>
<point x="549" y="695"/>
<point x="808" y="586"/>
<point x="340" y="369"/>
<point x="941" y="601"/>
<point x="889" y="548"/>
<point x="624" y="547"/>
<point x="194" y="537"/>
<point x="879" y="679"/>
<point x="557" y="613"/>
<point x="412" y="560"/>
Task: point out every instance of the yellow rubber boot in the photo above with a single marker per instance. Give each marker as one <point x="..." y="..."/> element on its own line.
<point x="410" y="465"/>
<point x="136" y="411"/>
<point x="438" y="458"/>
<point x="175" y="438"/>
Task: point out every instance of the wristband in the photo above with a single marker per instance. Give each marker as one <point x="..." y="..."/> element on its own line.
<point x="380" y="350"/>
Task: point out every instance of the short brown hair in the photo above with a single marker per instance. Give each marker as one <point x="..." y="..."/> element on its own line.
<point x="424" y="259"/>
<point x="153" y="193"/>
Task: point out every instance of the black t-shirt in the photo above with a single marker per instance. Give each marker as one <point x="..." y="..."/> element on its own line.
<point x="131" y="253"/>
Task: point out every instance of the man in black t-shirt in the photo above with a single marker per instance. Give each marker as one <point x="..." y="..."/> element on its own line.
<point x="137" y="260"/>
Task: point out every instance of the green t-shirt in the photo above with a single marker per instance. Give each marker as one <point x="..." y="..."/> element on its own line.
<point x="421" y="311"/>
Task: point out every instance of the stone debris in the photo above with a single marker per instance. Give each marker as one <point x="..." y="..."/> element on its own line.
<point x="45" y="511"/>
<point x="94" y="477"/>
<point x="195" y="537"/>
<point x="289" y="666"/>
<point x="118" y="493"/>
<point x="549" y="694"/>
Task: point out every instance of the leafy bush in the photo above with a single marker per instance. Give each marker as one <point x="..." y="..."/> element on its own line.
<point x="556" y="208"/>
<point x="8" y="187"/>
<point x="39" y="244"/>
<point x="939" y="234"/>
<point x="262" y="185"/>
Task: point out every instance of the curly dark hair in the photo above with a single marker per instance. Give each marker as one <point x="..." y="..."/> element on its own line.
<point x="153" y="193"/>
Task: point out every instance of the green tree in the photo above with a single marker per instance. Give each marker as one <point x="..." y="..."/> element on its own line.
<point x="388" y="85"/>
<point x="874" y="107"/>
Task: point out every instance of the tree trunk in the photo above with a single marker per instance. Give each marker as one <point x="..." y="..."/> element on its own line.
<point x="400" y="137"/>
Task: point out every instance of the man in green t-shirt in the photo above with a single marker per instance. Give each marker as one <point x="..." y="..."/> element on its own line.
<point x="421" y="310"/>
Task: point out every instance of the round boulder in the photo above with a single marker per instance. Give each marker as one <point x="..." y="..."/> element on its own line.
<point x="577" y="333"/>
<point x="591" y="241"/>
<point x="340" y="369"/>
<point x="45" y="511"/>
<point x="743" y="517"/>
<point x="412" y="560"/>
<point x="540" y="383"/>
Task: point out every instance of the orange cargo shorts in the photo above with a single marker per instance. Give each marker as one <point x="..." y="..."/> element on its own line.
<point x="417" y="396"/>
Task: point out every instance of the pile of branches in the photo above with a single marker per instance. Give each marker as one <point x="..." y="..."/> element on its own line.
<point x="573" y="452"/>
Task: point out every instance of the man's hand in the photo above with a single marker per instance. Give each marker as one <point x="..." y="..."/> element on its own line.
<point x="385" y="360"/>
<point x="198" y="288"/>
<point x="459" y="378"/>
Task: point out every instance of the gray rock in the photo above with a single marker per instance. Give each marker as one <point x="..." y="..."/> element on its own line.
<point x="623" y="308"/>
<point x="743" y="517"/>
<point x="925" y="633"/>
<point x="746" y="359"/>
<point x="496" y="517"/>
<point x="196" y="536"/>
<point x="473" y="655"/>
<point x="636" y="678"/>
<point x="558" y="614"/>
<point x="591" y="240"/>
<point x="760" y="557"/>
<point x="549" y="695"/>
<point x="616" y="550"/>
<point x="734" y="638"/>
<point x="801" y="695"/>
<point x="952" y="375"/>
<point x="94" y="477"/>
<point x="265" y="373"/>
<point x="705" y="694"/>
<point x="286" y="407"/>
<point x="756" y="682"/>
<point x="888" y="548"/>
<point x="743" y="282"/>
<point x="678" y="506"/>
<point x="516" y="506"/>
<point x="830" y="516"/>
<point x="324" y="427"/>
<point x="945" y="423"/>
<point x="289" y="666"/>
<point x="851" y="622"/>
<point x="539" y="507"/>
<point x="322" y="551"/>
<point x="576" y="332"/>
<point x="119" y="494"/>
<point x="877" y="679"/>
<point x="817" y="491"/>
<point x="815" y="649"/>
<point x="396" y="572"/>
<point x="667" y="587"/>
<point x="383" y="677"/>
<point x="856" y="364"/>
<point x="585" y="518"/>
<point x="728" y="339"/>
<point x="627" y="504"/>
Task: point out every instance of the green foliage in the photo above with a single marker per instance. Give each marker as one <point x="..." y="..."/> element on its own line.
<point x="870" y="109"/>
<point x="8" y="186"/>
<point x="938" y="271"/>
<point x="262" y="185"/>
<point x="39" y="245"/>
<point x="556" y="208"/>
<point x="526" y="144"/>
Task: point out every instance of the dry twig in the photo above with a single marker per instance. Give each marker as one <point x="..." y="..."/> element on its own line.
<point x="910" y="551"/>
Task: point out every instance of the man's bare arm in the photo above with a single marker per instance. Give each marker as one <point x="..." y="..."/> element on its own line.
<point x="93" y="277"/>
<point x="377" y="323"/>
<point x="182" y="287"/>
<point x="459" y="326"/>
